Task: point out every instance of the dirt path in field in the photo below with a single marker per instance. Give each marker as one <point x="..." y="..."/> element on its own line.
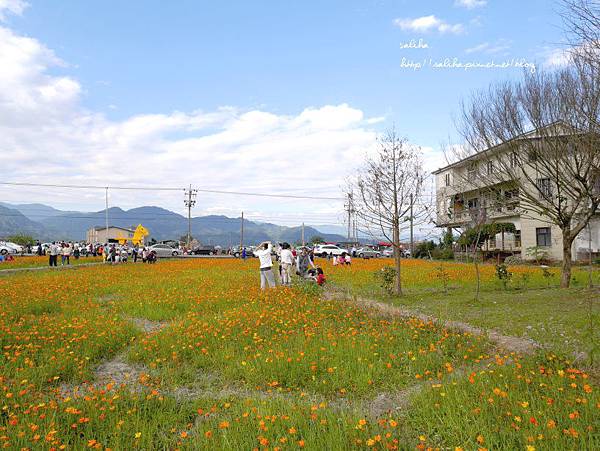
<point x="394" y="402"/>
<point x="505" y="342"/>
<point x="117" y="371"/>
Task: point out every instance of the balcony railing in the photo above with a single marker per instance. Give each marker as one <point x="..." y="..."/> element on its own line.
<point x="466" y="215"/>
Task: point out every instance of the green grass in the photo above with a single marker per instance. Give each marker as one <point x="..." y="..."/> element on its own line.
<point x="564" y="319"/>
<point x="35" y="261"/>
<point x="234" y="368"/>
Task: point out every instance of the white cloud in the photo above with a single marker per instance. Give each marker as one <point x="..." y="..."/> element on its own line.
<point x="11" y="6"/>
<point x="502" y="45"/>
<point x="561" y="57"/>
<point x="428" y="23"/>
<point x="47" y="136"/>
<point x="470" y="4"/>
<point x="557" y="57"/>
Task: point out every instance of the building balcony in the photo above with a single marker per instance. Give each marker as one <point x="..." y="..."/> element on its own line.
<point x="460" y="217"/>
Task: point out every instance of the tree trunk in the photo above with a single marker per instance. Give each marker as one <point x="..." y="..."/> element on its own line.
<point x="565" y="277"/>
<point x="477" y="276"/>
<point x="397" y="262"/>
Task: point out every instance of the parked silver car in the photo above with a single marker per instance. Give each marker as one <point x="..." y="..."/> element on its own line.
<point x="367" y="252"/>
<point x="164" y="250"/>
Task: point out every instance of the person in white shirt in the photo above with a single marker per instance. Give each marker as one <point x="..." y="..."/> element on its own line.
<point x="124" y="254"/>
<point x="263" y="252"/>
<point x="53" y="253"/>
<point x="287" y="260"/>
<point x="66" y="254"/>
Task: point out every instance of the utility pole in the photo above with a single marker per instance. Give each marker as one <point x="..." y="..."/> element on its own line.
<point x="190" y="201"/>
<point x="242" y="236"/>
<point x="349" y="209"/>
<point x="106" y="212"/>
<point x="412" y="241"/>
<point x="303" y="235"/>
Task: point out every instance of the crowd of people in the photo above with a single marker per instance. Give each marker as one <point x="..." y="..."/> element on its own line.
<point x="114" y="253"/>
<point x="111" y="253"/>
<point x="62" y="248"/>
<point x="301" y="259"/>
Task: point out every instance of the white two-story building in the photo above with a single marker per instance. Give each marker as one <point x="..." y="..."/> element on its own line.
<point x="464" y="195"/>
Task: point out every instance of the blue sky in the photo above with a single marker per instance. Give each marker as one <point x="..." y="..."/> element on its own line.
<point x="181" y="73"/>
<point x="156" y="56"/>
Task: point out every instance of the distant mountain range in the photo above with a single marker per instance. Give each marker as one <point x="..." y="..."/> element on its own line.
<point x="45" y="223"/>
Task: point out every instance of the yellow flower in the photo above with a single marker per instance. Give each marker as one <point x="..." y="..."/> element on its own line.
<point x="530" y="448"/>
<point x="138" y="435"/>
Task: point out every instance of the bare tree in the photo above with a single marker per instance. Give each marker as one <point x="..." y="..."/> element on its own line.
<point x="582" y="21"/>
<point x="537" y="148"/>
<point x="387" y="189"/>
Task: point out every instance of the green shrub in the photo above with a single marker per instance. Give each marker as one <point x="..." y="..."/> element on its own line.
<point x="442" y="275"/>
<point x="442" y="254"/>
<point x="386" y="277"/>
<point x="503" y="274"/>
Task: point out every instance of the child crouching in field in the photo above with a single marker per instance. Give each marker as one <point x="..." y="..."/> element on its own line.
<point x="320" y="277"/>
<point x="317" y="275"/>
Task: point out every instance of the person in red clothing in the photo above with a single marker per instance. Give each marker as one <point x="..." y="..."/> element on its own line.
<point x="320" y="277"/>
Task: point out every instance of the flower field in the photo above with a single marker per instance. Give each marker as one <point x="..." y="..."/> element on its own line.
<point x="189" y="354"/>
<point x="36" y="261"/>
<point x="426" y="275"/>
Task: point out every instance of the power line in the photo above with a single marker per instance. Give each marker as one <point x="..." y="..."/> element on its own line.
<point x="69" y="213"/>
<point x="97" y="216"/>
<point x="53" y="185"/>
<point x="148" y="188"/>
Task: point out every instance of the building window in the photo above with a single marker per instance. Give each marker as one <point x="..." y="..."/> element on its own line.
<point x="596" y="183"/>
<point x="545" y="188"/>
<point x="517" y="238"/>
<point x="511" y="198"/>
<point x="473" y="203"/>
<point x="447" y="179"/>
<point x="543" y="236"/>
<point x="472" y="168"/>
<point x="490" y="167"/>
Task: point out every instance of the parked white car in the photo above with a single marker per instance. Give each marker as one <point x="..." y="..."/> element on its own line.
<point x="164" y="250"/>
<point x="324" y="250"/>
<point x="6" y="248"/>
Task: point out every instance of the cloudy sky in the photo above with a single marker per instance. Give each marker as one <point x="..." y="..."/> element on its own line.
<point x="264" y="96"/>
